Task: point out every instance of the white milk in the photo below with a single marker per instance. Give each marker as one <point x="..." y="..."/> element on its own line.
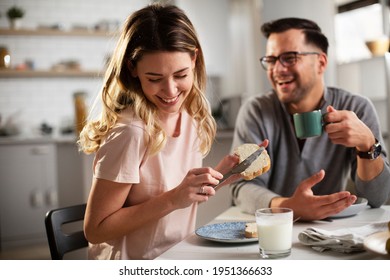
<point x="275" y="235"/>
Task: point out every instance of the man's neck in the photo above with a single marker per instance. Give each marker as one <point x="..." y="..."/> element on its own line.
<point x="311" y="102"/>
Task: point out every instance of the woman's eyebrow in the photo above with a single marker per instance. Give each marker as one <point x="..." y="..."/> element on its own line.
<point x="157" y="74"/>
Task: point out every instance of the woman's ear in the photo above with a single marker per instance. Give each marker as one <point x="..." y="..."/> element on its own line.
<point x="132" y="69"/>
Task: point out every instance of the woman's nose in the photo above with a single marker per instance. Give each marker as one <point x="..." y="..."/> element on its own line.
<point x="170" y="87"/>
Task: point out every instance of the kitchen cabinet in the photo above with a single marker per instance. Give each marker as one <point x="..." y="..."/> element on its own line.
<point x="74" y="174"/>
<point x="28" y="190"/>
<point x="371" y="78"/>
<point x="37" y="176"/>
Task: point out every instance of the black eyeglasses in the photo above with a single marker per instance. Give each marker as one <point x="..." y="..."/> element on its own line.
<point x="287" y="59"/>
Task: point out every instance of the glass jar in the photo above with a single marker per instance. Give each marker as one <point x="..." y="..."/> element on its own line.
<point x="5" y="57"/>
<point x="80" y="111"/>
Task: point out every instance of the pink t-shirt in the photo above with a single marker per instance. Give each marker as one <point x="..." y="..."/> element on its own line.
<point x="122" y="158"/>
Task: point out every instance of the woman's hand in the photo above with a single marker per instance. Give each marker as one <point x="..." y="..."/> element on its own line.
<point x="196" y="186"/>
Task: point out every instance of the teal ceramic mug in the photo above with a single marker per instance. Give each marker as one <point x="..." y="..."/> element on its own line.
<point x="308" y="124"/>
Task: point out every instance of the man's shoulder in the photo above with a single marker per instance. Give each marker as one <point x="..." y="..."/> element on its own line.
<point x="342" y="94"/>
<point x="265" y="99"/>
<point x="337" y="90"/>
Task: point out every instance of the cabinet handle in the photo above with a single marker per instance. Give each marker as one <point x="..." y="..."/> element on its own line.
<point x="36" y="199"/>
<point x="51" y="198"/>
<point x="40" y="151"/>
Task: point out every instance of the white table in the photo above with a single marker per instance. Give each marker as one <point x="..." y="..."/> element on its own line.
<point x="197" y="248"/>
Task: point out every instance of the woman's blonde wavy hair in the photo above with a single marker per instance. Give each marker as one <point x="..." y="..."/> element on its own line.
<point x="153" y="28"/>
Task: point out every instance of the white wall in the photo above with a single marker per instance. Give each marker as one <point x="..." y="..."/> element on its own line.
<point x="210" y="19"/>
<point x="244" y="49"/>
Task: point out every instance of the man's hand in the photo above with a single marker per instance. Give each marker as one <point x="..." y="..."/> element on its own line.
<point x="345" y="128"/>
<point x="308" y="206"/>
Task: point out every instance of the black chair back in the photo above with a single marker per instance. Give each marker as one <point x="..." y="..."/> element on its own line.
<point x="61" y="242"/>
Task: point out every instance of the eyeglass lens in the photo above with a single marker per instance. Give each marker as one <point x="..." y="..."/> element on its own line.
<point x="286" y="59"/>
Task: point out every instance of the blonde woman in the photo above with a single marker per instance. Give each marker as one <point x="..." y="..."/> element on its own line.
<point x="154" y="129"/>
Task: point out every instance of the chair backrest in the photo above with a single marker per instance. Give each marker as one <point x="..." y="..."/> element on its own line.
<point x="61" y="242"/>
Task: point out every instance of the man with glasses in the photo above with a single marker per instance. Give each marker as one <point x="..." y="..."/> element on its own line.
<point x="309" y="175"/>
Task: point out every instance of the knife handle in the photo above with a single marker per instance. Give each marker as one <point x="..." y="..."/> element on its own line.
<point x="227" y="175"/>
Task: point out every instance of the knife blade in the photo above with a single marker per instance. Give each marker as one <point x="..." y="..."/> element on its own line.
<point x="242" y="166"/>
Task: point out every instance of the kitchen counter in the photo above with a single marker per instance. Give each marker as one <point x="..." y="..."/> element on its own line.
<point x="225" y="133"/>
<point x="71" y="138"/>
<point x="68" y="139"/>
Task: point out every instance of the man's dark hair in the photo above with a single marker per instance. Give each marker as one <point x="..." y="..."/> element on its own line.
<point x="312" y="31"/>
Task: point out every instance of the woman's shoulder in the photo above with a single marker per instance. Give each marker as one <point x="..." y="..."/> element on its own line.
<point x="128" y="120"/>
<point x="127" y="126"/>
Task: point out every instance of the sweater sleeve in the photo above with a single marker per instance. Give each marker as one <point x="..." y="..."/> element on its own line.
<point x="249" y="196"/>
<point x="254" y="194"/>
<point x="377" y="191"/>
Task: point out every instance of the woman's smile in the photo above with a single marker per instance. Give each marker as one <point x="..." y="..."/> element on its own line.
<point x="169" y="101"/>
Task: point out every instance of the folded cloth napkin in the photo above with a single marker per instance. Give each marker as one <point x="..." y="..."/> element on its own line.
<point x="346" y="240"/>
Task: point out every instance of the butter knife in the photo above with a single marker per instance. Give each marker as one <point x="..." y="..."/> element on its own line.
<point x="242" y="166"/>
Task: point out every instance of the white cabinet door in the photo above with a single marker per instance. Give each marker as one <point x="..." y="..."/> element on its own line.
<point x="370" y="77"/>
<point x="365" y="77"/>
<point x="28" y="189"/>
<point x="71" y="172"/>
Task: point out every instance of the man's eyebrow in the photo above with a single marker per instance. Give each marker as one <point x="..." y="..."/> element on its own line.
<point x="157" y="74"/>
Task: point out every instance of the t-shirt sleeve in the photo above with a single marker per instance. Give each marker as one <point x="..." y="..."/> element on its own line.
<point x="120" y="155"/>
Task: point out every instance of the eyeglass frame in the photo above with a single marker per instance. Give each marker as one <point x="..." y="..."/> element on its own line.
<point x="276" y="58"/>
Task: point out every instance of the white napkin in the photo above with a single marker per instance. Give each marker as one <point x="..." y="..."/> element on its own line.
<point x="346" y="240"/>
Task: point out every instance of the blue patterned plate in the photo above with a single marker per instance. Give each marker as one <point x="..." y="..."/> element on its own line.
<point x="229" y="232"/>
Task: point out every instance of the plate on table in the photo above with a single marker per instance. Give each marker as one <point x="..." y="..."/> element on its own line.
<point x="359" y="205"/>
<point x="229" y="232"/>
<point x="376" y="242"/>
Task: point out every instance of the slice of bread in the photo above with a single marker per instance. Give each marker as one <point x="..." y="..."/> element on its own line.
<point x="250" y="230"/>
<point x="261" y="165"/>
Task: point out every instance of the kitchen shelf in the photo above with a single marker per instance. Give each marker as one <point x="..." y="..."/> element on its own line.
<point x="9" y="73"/>
<point x="54" y="32"/>
<point x="362" y="60"/>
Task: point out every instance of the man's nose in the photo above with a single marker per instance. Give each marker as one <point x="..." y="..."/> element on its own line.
<point x="278" y="66"/>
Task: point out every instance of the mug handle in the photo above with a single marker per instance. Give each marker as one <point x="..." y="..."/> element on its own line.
<point x="323" y="122"/>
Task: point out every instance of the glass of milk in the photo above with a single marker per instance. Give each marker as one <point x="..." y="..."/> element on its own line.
<point x="274" y="229"/>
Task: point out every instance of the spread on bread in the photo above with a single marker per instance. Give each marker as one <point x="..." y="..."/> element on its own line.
<point x="250" y="230"/>
<point x="261" y="165"/>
